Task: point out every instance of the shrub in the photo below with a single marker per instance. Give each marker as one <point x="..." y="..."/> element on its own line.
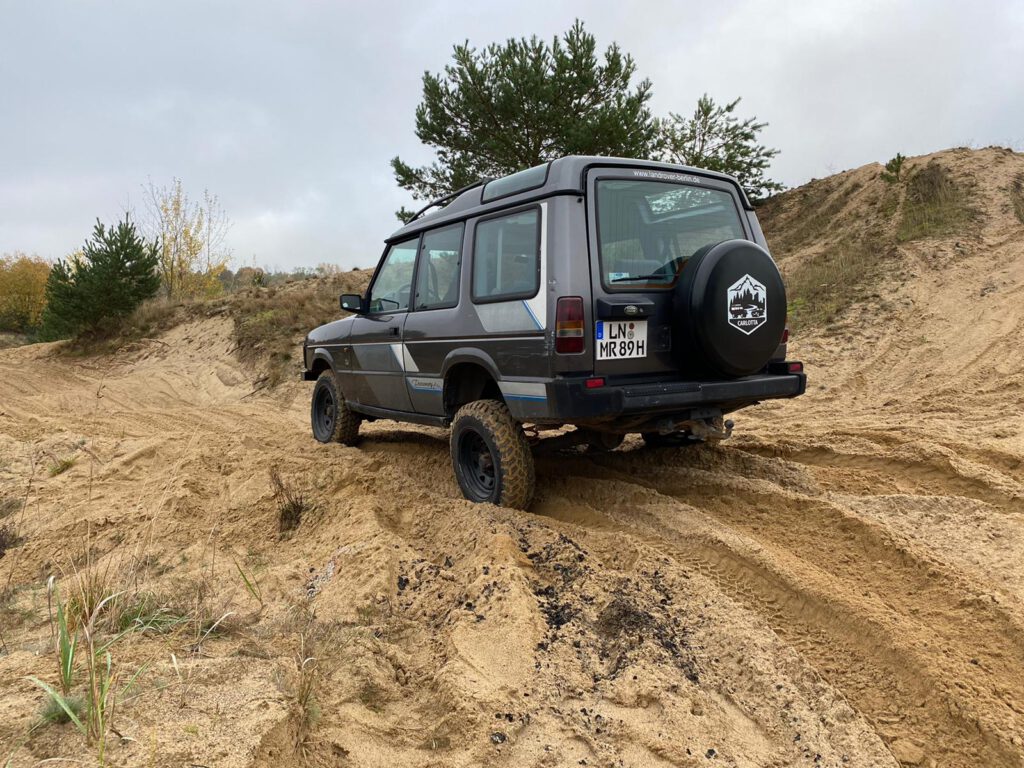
<point x="191" y="253"/>
<point x="893" y="169"/>
<point x="292" y="504"/>
<point x="22" y="291"/>
<point x="91" y="293"/>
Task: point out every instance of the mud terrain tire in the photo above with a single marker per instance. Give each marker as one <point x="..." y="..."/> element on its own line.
<point x="492" y="460"/>
<point x="333" y="421"/>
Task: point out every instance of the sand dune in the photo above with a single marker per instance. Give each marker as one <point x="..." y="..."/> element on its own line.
<point x="840" y="584"/>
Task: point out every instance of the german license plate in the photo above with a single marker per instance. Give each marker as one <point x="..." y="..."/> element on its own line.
<point x="618" y="340"/>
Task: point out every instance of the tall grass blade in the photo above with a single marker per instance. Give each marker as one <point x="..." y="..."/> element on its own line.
<point x="251" y="584"/>
<point x="61" y="702"/>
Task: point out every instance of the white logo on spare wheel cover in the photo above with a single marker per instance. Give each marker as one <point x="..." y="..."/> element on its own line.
<point x="746" y="307"/>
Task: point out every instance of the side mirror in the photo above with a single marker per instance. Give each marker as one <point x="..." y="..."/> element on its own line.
<point x="352" y="302"/>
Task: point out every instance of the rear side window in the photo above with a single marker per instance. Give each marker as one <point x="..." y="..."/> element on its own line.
<point x="647" y="230"/>
<point x="506" y="257"/>
<point x="437" y="274"/>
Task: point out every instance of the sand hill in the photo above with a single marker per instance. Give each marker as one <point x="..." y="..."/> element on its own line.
<point x="840" y="584"/>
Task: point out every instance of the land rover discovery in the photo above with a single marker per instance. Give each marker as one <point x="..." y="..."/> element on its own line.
<point x="613" y="296"/>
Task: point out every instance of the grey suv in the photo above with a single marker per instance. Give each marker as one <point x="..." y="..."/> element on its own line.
<point x="613" y="295"/>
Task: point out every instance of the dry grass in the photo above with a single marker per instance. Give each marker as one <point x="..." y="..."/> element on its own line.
<point x="270" y="323"/>
<point x="306" y="706"/>
<point x="822" y="286"/>
<point x="292" y="504"/>
<point x="1017" y="197"/>
<point x="151" y="318"/>
<point x="846" y="268"/>
<point x="801" y="217"/>
<point x="934" y="206"/>
<point x="60" y="466"/>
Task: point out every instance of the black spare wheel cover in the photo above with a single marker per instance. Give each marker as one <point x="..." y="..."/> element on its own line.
<point x="730" y="309"/>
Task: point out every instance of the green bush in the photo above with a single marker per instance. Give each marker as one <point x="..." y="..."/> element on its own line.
<point x="90" y="292"/>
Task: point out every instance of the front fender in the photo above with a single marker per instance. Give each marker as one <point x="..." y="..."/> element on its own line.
<point x="312" y="370"/>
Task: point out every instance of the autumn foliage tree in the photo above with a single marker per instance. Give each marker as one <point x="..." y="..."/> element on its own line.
<point x="89" y="292"/>
<point x="22" y="291"/>
<point x="192" y="237"/>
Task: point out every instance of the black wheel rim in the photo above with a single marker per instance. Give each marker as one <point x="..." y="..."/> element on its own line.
<point x="477" y="464"/>
<point x="324" y="412"/>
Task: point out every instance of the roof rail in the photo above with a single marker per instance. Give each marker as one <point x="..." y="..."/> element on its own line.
<point x="446" y="198"/>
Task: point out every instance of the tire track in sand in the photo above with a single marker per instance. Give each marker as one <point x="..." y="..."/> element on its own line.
<point x="890" y="629"/>
<point x="937" y="475"/>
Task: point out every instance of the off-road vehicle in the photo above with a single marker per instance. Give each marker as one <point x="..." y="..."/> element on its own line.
<point x="613" y="295"/>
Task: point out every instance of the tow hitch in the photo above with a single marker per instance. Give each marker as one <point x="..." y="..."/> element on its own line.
<point x="712" y="429"/>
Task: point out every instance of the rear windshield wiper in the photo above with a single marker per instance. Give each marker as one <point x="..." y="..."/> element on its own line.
<point x="640" y="277"/>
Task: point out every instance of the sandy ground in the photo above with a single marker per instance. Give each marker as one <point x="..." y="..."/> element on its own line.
<point x="840" y="584"/>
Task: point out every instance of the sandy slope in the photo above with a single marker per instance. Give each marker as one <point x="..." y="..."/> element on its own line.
<point x="840" y="584"/>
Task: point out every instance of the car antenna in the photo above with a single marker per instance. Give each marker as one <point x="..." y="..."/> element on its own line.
<point x="446" y="198"/>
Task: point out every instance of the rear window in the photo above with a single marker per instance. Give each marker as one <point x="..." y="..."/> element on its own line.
<point x="647" y="230"/>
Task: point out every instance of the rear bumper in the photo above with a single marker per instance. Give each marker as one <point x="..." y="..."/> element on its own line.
<point x="571" y="400"/>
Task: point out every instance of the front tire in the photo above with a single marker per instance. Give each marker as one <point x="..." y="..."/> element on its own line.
<point x="492" y="460"/>
<point x="333" y="421"/>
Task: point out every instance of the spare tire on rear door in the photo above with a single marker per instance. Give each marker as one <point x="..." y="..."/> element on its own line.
<point x="730" y="310"/>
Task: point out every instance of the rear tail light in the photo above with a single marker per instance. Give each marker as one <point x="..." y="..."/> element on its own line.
<point x="785" y="336"/>
<point x="569" y="326"/>
<point x="796" y="367"/>
<point x="595" y="383"/>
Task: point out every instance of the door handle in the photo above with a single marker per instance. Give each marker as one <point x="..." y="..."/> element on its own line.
<point x="393" y="330"/>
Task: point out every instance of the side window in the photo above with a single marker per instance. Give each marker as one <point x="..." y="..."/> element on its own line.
<point x="437" y="276"/>
<point x="506" y="257"/>
<point x="393" y="283"/>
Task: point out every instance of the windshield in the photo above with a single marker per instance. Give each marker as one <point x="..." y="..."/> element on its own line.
<point x="646" y="230"/>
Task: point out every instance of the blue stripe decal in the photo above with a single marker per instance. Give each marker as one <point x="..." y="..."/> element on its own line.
<point x="526" y="397"/>
<point x="535" y="320"/>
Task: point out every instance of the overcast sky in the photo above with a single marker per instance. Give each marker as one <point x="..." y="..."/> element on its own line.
<point x="290" y="111"/>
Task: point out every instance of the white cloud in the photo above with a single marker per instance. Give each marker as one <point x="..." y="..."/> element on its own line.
<point x="290" y="112"/>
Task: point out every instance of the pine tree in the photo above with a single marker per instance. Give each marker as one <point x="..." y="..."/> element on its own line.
<point x="716" y="140"/>
<point x="89" y="292"/>
<point x="513" y="106"/>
